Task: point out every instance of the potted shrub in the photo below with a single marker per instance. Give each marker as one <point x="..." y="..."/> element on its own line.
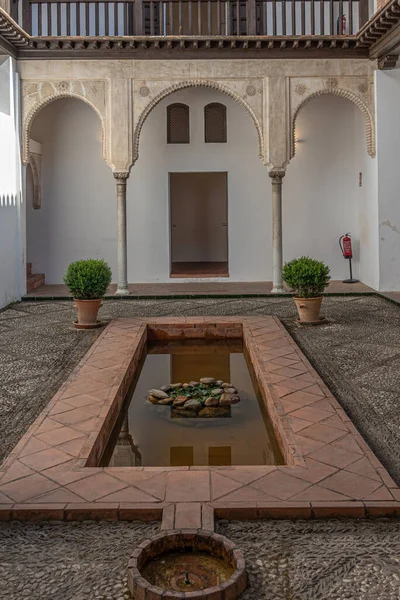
<point x="307" y="278"/>
<point x="88" y="281"/>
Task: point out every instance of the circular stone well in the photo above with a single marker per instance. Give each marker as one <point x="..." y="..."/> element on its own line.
<point x="187" y="564"/>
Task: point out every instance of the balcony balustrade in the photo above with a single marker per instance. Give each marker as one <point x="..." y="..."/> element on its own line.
<point x="199" y="18"/>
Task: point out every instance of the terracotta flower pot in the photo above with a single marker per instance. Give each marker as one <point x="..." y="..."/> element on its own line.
<point x="308" y="309"/>
<point x="87" y="313"/>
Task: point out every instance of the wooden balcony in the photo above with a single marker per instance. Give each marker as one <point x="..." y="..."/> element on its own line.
<point x="194" y="28"/>
<point x="198" y="18"/>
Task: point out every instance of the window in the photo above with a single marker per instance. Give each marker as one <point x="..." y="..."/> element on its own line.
<point x="215" y="123"/>
<point x="178" y="129"/>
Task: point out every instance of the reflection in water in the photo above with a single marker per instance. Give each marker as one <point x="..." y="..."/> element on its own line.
<point x="246" y="438"/>
<point x="125" y="454"/>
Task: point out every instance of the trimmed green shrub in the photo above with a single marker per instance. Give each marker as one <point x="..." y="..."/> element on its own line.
<point x="306" y="277"/>
<point x="88" y="279"/>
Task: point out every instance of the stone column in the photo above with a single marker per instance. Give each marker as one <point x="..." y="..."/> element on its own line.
<point x="122" y="288"/>
<point x="277" y="253"/>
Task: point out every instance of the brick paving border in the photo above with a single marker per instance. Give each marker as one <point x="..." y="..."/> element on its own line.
<point x="329" y="470"/>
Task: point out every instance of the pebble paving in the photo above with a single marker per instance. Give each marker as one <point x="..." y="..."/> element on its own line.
<point x="357" y="353"/>
<point x="68" y="561"/>
<point x="286" y="560"/>
<point x="319" y="560"/>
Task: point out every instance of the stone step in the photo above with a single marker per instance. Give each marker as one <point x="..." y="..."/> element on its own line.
<point x="28" y="269"/>
<point x="34" y="281"/>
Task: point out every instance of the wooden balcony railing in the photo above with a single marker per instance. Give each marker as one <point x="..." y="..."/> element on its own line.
<point x="194" y="17"/>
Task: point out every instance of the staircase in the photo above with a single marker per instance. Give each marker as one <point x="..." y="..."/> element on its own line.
<point x="33" y="280"/>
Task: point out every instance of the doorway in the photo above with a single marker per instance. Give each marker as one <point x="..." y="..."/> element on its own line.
<point x="199" y="224"/>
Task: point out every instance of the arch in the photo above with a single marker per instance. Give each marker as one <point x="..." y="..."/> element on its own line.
<point x="188" y="84"/>
<point x="215" y="124"/>
<point x="178" y="123"/>
<point x="33" y="113"/>
<point x="369" y="124"/>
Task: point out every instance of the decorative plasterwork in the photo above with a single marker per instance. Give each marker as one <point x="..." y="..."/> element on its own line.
<point x="35" y="163"/>
<point x="358" y="90"/>
<point x="38" y="94"/>
<point x="247" y="93"/>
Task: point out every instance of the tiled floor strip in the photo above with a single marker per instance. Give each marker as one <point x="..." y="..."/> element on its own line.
<point x="195" y="289"/>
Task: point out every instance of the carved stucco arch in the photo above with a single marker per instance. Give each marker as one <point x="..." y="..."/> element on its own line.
<point x="369" y="122"/>
<point x="188" y="84"/>
<point x="39" y="106"/>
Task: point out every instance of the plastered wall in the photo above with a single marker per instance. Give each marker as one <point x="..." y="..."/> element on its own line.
<point x="388" y="134"/>
<point x="321" y="197"/>
<point x="11" y="240"/>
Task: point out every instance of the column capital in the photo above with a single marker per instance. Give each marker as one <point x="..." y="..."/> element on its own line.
<point x="277" y="175"/>
<point x="121" y="175"/>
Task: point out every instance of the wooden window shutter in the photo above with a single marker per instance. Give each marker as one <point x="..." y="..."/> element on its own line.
<point x="178" y="127"/>
<point x="215" y="123"/>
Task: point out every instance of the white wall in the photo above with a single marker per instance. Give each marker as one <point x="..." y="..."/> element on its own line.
<point x="320" y="190"/>
<point x="388" y="135"/>
<point x="367" y="245"/>
<point x="11" y="247"/>
<point x="321" y="197"/>
<point x="249" y="189"/>
<point x="78" y="215"/>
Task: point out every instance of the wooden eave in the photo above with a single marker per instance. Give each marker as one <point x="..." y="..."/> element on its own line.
<point x="381" y="35"/>
<point x="378" y="39"/>
<point x="152" y="47"/>
<point x="12" y="37"/>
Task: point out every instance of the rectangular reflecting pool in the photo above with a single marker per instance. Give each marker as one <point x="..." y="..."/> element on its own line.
<point x="150" y="434"/>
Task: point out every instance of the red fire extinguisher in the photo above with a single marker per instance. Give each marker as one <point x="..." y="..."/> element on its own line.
<point x="347" y="251"/>
<point x="341" y="25"/>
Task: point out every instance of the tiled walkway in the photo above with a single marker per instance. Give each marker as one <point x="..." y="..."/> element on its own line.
<point x="330" y="469"/>
<point x="197" y="288"/>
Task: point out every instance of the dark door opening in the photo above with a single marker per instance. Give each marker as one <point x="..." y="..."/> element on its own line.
<point x="199" y="224"/>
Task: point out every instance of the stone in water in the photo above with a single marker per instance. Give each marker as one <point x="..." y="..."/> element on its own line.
<point x="158" y="394"/>
<point x="216" y="391"/>
<point x="165" y="401"/>
<point x="228" y="399"/>
<point x="193" y="405"/>
<point x="230" y="390"/>
<point x="180" y="400"/>
<point x="152" y="399"/>
<point x="212" y="402"/>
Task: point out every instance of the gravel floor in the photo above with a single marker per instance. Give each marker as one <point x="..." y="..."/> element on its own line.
<point x="286" y="560"/>
<point x="68" y="561"/>
<point x="357" y="353"/>
<point x="319" y="560"/>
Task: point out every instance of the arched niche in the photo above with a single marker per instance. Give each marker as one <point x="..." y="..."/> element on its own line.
<point x="347" y="95"/>
<point x="195" y="84"/>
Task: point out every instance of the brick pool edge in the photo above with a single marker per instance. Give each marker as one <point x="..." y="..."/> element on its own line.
<point x="329" y="471"/>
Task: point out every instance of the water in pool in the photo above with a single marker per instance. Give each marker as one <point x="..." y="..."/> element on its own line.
<point x="153" y="435"/>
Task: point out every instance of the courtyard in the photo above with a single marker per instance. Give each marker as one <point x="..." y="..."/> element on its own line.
<point x="356" y="353"/>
